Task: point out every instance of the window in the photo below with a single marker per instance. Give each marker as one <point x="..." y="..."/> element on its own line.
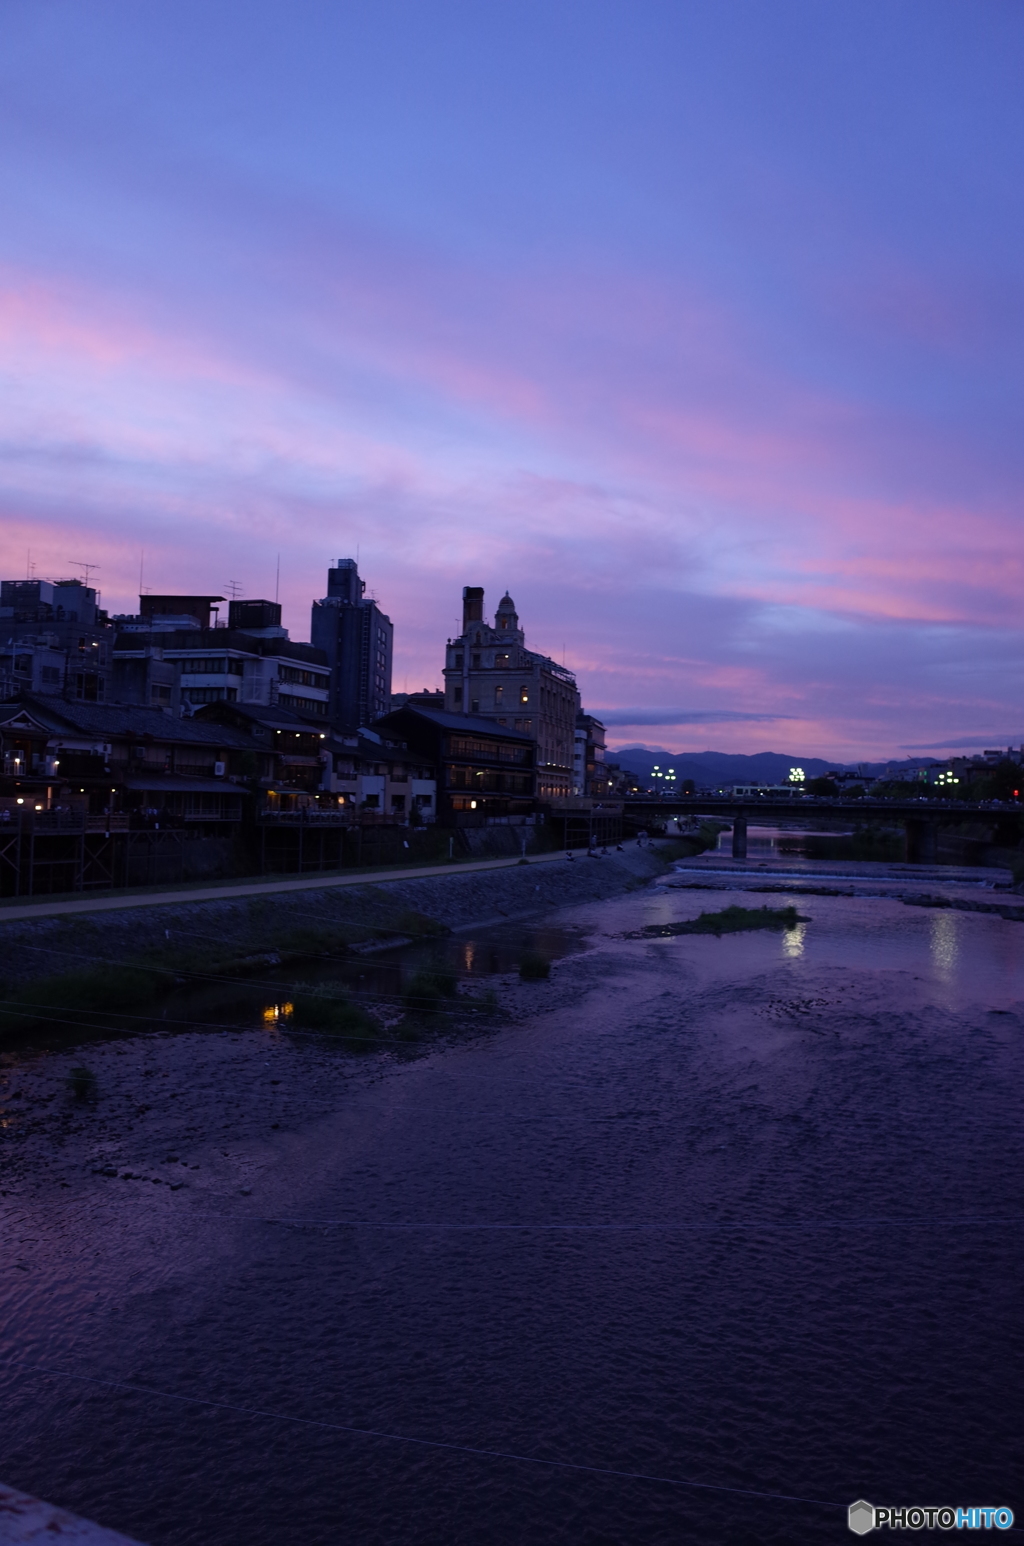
<point x="474" y="705"/>
<point x="458" y="662"/>
<point x="476" y="661"/>
<point x="524" y="694"/>
<point x="206" y="664"/>
<point x="466" y="746"/>
<point x="372" y="801"/>
<point x="302" y="678"/>
<point x="424" y="799"/>
<point x="499" y="697"/>
<point x="501" y="662"/>
<point x="458" y="697"/>
<point x="398" y="802"/>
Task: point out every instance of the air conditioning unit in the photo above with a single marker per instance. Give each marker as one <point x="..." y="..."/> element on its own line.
<point x="219" y="769"/>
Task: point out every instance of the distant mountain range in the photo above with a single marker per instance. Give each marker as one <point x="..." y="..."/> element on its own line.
<point x="710" y="768"/>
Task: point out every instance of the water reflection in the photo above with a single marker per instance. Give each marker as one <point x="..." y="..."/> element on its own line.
<point x="773" y="842"/>
<point x="793" y="941"/>
<point x="945" y="943"/>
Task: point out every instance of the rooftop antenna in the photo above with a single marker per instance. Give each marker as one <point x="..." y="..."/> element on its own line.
<point x="28" y="563"/>
<point x="142" y="560"/>
<point x="233" y="589"/>
<point x="76" y="563"/>
<point x="277" y="581"/>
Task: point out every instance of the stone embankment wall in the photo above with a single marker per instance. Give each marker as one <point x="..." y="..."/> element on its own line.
<point x="240" y="928"/>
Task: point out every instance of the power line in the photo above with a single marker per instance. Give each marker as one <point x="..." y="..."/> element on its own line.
<point x="200" y="976"/>
<point x="405" y="1438"/>
<point x="739" y="1226"/>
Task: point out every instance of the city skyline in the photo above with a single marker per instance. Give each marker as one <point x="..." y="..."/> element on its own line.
<point x="698" y="332"/>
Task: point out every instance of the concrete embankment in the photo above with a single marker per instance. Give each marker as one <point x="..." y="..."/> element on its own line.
<point x="241" y="928"/>
<point x="24" y="1519"/>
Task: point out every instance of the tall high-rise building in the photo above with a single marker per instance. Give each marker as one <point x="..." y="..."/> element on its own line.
<point x="357" y="639"/>
<point x="490" y="672"/>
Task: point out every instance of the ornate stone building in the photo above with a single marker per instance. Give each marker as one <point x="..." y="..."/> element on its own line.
<point x="490" y="672"/>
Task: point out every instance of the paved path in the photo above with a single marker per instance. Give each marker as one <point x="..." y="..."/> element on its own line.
<point x="110" y="904"/>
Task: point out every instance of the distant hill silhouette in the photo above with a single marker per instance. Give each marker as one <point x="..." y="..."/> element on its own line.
<point x="710" y="768"/>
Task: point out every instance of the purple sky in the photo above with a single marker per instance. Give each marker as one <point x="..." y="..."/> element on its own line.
<point x="699" y="327"/>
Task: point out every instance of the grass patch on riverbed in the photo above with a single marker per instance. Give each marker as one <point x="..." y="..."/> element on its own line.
<point x="317" y="1007"/>
<point x="731" y="920"/>
<point x="427" y="990"/>
<point x="95" y="990"/>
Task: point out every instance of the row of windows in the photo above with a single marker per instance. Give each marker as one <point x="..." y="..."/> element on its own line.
<point x="498" y="751"/>
<point x="422" y="801"/>
<point x="303" y="678"/>
<point x="501" y="661"/>
<point x="489" y="779"/>
<point x="499" y="698"/>
<point x="211" y="664"/>
<point x="210" y="694"/>
<point x="302" y="705"/>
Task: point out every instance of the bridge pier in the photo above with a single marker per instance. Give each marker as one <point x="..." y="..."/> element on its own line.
<point x="739" y="837"/>
<point x="922" y="840"/>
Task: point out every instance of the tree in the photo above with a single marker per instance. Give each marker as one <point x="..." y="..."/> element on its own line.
<point x="822" y="786"/>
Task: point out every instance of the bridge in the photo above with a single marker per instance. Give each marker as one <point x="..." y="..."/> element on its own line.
<point x="921" y="817"/>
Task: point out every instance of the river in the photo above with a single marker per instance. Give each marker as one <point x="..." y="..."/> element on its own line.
<point x="702" y="1240"/>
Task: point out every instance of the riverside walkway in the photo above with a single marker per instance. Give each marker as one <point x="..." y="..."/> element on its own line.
<point x="243" y="888"/>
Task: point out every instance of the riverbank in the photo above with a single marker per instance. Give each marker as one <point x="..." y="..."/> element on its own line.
<point x="54" y="960"/>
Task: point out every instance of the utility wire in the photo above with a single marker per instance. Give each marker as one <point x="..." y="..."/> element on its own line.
<point x="405" y="1438"/>
<point x="283" y="1026"/>
<point x="199" y="976"/>
<point x="739" y="1226"/>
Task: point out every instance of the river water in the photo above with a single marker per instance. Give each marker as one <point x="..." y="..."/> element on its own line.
<point x="706" y="1239"/>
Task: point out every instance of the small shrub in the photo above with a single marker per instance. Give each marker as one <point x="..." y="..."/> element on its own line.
<point x="731" y="920"/>
<point x="94" y="991"/>
<point x="324" y="1009"/>
<point x="82" y="1083"/>
<point x="427" y="990"/>
<point x="534" y="967"/>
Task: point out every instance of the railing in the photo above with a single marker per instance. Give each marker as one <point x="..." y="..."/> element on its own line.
<point x="343" y="817"/>
<point x="45" y="822"/>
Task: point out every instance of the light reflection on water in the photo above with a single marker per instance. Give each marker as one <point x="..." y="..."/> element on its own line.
<point x="772" y="841"/>
<point x="793" y="941"/>
<point x="945" y="942"/>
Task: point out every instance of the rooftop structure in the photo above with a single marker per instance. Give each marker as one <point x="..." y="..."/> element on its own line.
<point x="489" y="672"/>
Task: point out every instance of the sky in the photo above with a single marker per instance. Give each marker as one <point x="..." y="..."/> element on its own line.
<point x="700" y="328"/>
